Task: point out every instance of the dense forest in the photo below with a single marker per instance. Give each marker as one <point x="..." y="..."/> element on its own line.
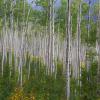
<point x="49" y="49"/>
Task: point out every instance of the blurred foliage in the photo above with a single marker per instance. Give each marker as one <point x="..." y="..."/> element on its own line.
<point x="89" y="84"/>
<point x="39" y="85"/>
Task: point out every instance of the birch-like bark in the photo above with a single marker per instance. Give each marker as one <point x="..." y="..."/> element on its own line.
<point x="79" y="40"/>
<point x="4" y="31"/>
<point x="50" y="35"/>
<point x="88" y="44"/>
<point x="68" y="48"/>
<point x="11" y="35"/>
<point x="79" y="44"/>
<point x="53" y="32"/>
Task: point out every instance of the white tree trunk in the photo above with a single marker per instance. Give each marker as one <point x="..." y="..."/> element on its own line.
<point x="78" y="41"/>
<point x="68" y="49"/>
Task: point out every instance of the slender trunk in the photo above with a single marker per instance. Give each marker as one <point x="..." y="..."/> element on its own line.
<point x="50" y="35"/>
<point x="29" y="67"/>
<point x="88" y="39"/>
<point x="4" y="31"/>
<point x="53" y="31"/>
<point x="68" y="49"/>
<point x="11" y="37"/>
<point x="78" y="44"/>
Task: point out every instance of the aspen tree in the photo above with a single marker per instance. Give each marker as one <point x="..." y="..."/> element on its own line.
<point x="68" y="48"/>
<point x="79" y="43"/>
<point x="78" y="38"/>
<point x="88" y="38"/>
<point x="4" y="31"/>
<point x="51" y="33"/>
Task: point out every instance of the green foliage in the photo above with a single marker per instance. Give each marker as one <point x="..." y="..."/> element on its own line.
<point x="88" y="88"/>
<point x="48" y="87"/>
<point x="7" y="82"/>
<point x="42" y="3"/>
<point x="19" y="11"/>
<point x="89" y="84"/>
<point x="61" y="19"/>
<point x="45" y="87"/>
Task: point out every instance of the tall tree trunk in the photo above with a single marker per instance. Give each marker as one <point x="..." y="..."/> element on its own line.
<point x="4" y="31"/>
<point x="68" y="49"/>
<point x="50" y="35"/>
<point x="78" y="43"/>
<point x="88" y="39"/>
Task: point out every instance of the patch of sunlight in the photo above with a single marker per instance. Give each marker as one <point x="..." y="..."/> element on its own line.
<point x="82" y="64"/>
